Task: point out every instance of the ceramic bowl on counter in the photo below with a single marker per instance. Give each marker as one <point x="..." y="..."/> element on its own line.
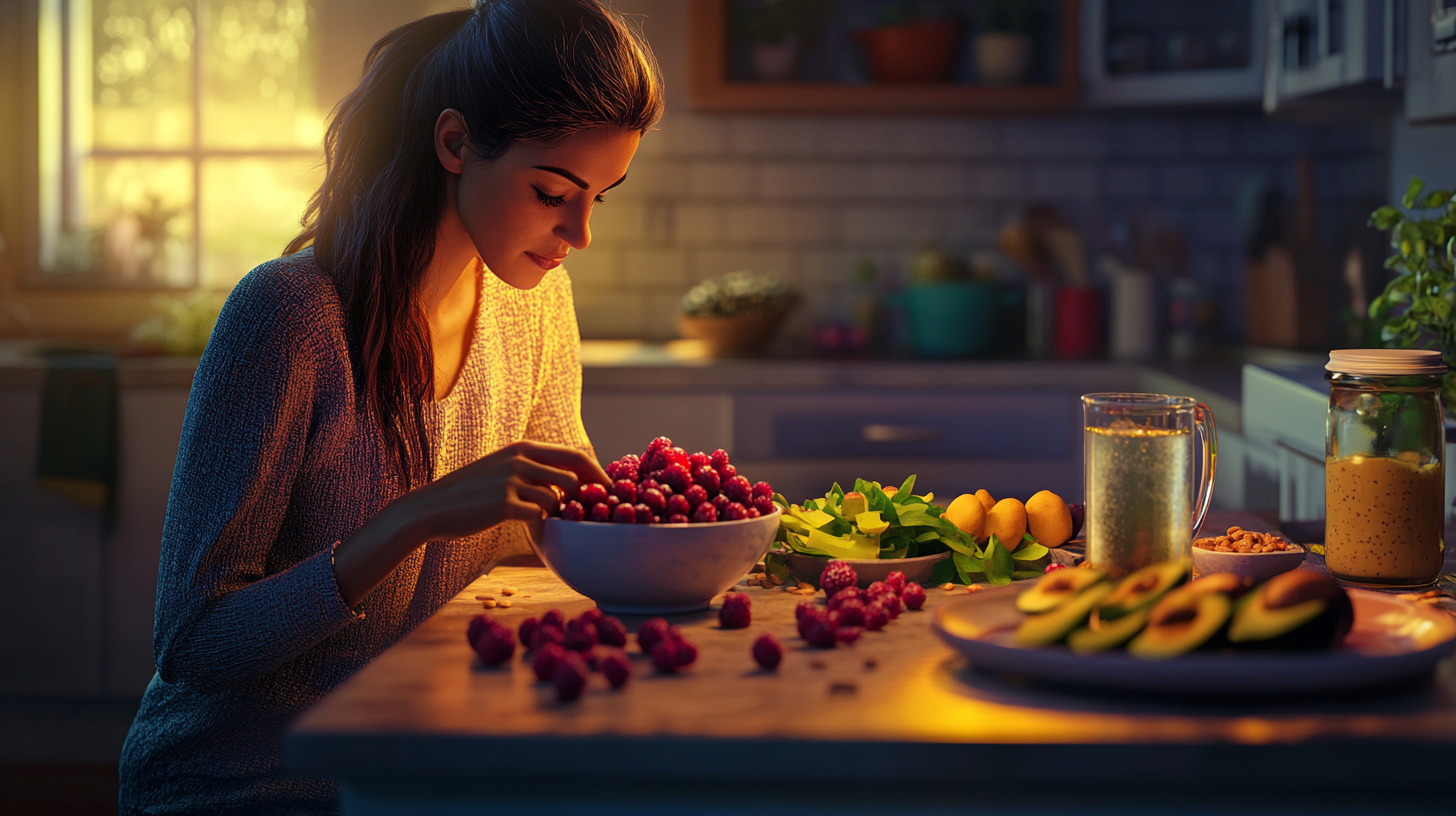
<point x="1259" y="567"/>
<point x="809" y="567"/>
<point x="654" y="569"/>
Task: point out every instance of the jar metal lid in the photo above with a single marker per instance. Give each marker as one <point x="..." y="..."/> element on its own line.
<point x="1386" y="362"/>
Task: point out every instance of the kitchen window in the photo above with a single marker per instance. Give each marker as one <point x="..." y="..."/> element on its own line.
<point x="179" y="139"/>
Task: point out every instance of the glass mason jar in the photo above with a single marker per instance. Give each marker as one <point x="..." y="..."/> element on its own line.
<point x="1385" y="470"/>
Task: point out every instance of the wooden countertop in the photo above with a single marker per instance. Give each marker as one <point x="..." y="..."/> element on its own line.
<point x="425" y="717"/>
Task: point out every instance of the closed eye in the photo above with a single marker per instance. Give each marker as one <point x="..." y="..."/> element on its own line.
<point x="548" y="200"/>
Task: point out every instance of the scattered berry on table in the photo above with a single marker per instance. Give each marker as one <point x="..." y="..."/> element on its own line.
<point x="836" y="576"/>
<point x="580" y="635"/>
<point x="821" y="632"/>
<point x="849" y="593"/>
<point x="876" y="616"/>
<point x="850" y="612"/>
<point x="477" y="625"/>
<point x="569" y="676"/>
<point x="705" y="513"/>
<point x="495" y="644"/>
<point x="687" y="653"/>
<point x="1054" y="566"/>
<point x="546" y="633"/>
<point x="767" y="651"/>
<point x="736" y="611"/>
<point x="573" y="511"/>
<point x="526" y="630"/>
<point x="895" y="580"/>
<point x="611" y="632"/>
<point x="810" y="616"/>
<point x="595" y="615"/>
<point x="913" y="596"/>
<point x="805" y="608"/>
<point x="615" y="666"/>
<point x="848" y="634"/>
<point x="664" y="657"/>
<point x="544" y="664"/>
<point x="651" y="633"/>
<point x="554" y="617"/>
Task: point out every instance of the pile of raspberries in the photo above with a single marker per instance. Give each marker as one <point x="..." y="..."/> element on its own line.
<point x="851" y="610"/>
<point x="667" y="484"/>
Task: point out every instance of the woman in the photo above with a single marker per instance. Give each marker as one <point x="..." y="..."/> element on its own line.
<point x="371" y="411"/>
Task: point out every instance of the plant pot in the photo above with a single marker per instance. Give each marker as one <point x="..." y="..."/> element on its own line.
<point x="738" y="336"/>
<point x="1002" y="59"/>
<point x="951" y="319"/>
<point x="920" y="52"/>
<point x="775" y="62"/>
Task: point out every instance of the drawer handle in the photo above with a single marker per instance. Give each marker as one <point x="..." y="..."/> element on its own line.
<point x="900" y="433"/>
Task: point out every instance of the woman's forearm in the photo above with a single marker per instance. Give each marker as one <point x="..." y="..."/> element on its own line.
<point x="367" y="557"/>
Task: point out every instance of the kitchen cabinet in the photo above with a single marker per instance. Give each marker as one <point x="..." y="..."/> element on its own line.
<point x="1430" y="89"/>
<point x="1338" y="57"/>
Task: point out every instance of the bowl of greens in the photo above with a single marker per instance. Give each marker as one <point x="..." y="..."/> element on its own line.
<point x="878" y="529"/>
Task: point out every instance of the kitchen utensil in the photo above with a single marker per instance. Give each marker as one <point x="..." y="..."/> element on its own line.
<point x="1134" y="332"/>
<point x="1077" y="331"/>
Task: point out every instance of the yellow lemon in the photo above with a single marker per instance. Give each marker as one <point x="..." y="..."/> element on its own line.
<point x="967" y="513"/>
<point x="986" y="500"/>
<point x="1007" y="521"/>
<point x="1048" y="519"/>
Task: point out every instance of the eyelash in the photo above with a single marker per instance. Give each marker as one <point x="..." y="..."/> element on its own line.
<point x="557" y="201"/>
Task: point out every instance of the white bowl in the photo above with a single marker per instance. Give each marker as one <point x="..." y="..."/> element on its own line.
<point x="1258" y="566"/>
<point x="654" y="569"/>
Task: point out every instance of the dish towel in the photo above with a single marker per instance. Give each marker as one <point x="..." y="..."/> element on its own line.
<point x="77" y="454"/>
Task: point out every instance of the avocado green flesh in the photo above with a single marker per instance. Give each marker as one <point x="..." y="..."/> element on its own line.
<point x="1108" y="635"/>
<point x="1255" y="622"/>
<point x="1129" y="596"/>
<point x="1163" y="642"/>
<point x="1069" y="584"/>
<point x="1050" y="627"/>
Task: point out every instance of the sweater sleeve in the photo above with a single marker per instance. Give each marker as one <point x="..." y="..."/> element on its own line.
<point x="227" y="612"/>
<point x="556" y="410"/>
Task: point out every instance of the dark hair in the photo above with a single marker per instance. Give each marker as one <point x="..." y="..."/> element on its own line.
<point x="516" y="70"/>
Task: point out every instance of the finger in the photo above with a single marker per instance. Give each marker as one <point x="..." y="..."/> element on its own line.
<point x="533" y="501"/>
<point x="560" y="456"/>
<point x="529" y="470"/>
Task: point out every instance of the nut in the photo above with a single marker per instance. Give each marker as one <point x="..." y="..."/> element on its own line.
<point x="974" y="588"/>
<point x="947" y="587"/>
<point x="508" y="590"/>
<point x="488" y="604"/>
<point x="484" y="597"/>
<point x="805" y="585"/>
<point x="503" y="604"/>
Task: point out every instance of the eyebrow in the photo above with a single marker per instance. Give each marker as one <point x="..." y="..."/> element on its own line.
<point x="574" y="179"/>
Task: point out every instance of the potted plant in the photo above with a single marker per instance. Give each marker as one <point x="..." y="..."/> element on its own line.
<point x="735" y="315"/>
<point x="775" y="31"/>
<point x="1003" y="48"/>
<point x="1418" y="307"/>
<point x="910" y="47"/>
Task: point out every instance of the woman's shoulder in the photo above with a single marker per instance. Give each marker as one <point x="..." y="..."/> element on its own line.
<point x="289" y="295"/>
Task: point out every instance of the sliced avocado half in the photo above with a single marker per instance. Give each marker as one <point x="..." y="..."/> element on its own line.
<point x="1181" y="622"/>
<point x="1056" y="588"/>
<point x="1099" y="635"/>
<point x="1294" y="610"/>
<point x="1050" y="627"/>
<point x="1143" y="588"/>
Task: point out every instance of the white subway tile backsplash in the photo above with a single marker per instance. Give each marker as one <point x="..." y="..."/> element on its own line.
<point x="998" y="181"/>
<point x="1063" y="182"/>
<point x="1145" y="137"/>
<point x="595" y="266"/>
<point x="960" y="138"/>
<point x="619" y="222"/>
<point x="1188" y="182"/>
<point x="698" y="223"/>
<point x="938" y="181"/>
<point x="655" y="266"/>
<point x="905" y="225"/>
<point x="1130" y="182"/>
<point x="777" y="224"/>
<point x="693" y="135"/>
<point x="724" y="179"/>
<point x="813" y="181"/>
<point x="609" y="313"/>
<point x="1056" y="138"/>
<point x="856" y="137"/>
<point x="774" y="136"/>
<point x="708" y="263"/>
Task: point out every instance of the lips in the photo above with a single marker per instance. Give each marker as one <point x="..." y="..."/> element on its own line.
<point x="547" y="262"/>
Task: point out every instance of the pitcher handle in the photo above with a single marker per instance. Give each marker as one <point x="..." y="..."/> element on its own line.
<point x="1203" y="418"/>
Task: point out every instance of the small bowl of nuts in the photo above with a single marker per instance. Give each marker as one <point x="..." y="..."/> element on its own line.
<point x="1247" y="554"/>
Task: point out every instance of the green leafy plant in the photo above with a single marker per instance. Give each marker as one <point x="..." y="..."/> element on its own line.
<point x="900" y="525"/>
<point x="1418" y="308"/>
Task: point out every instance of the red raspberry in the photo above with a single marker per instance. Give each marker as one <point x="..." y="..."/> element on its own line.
<point x="896" y="581"/>
<point x="495" y="644"/>
<point x="738" y="489"/>
<point x="580" y="636"/>
<point x="664" y="657"/>
<point x="836" y="576"/>
<point x="767" y="651"/>
<point x="570" y="677"/>
<point x="615" y="666"/>
<point x="848" y="634"/>
<point x="647" y="484"/>
<point x="752" y="512"/>
<point x="650" y="633"/>
<point x="820" y="633"/>
<point x="593" y="615"/>
<point x="601" y="512"/>
<point x="913" y="596"/>
<point x="624" y="513"/>
<point x="653" y="498"/>
<point x="699" y="459"/>
<point x="809" y="618"/>
<point x="625" y="490"/>
<point x="573" y="511"/>
<point x="593" y="493"/>
<point x="657" y="519"/>
<point x="611" y="632"/>
<point x="687" y="653"/>
<point x="527" y="628"/>
<point x="1054" y="566"/>
<point x="764" y="505"/>
<point x="891" y="602"/>
<point x="735" y="511"/>
<point x="644" y="513"/>
<point x="623" y="469"/>
<point x="851" y="612"/>
<point x="763" y="490"/>
<point x="544" y="665"/>
<point x="876" y="616"/>
<point x="612" y="502"/>
<point x="705" y="513"/>
<point x="695" y="495"/>
<point x="727" y="472"/>
<point x="720" y="503"/>
<point x="652" y="459"/>
<point x="667" y="491"/>
<point x="677" y="477"/>
<point x="555" y="618"/>
<point x="679" y="518"/>
<point x="707" y="478"/>
<point x="544" y="634"/>
<point x="720" y="459"/>
<point x="736" y="612"/>
<point x="804" y="609"/>
<point x="678" y="504"/>
<point x="676" y="456"/>
<point x="477" y="624"/>
<point x="851" y="593"/>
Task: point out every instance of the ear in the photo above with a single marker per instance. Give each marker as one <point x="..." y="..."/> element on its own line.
<point x="450" y="142"/>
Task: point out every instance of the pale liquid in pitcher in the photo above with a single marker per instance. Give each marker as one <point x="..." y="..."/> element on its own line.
<point x="1139" y="496"/>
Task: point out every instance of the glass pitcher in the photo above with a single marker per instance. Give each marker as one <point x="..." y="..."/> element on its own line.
<point x="1144" y="505"/>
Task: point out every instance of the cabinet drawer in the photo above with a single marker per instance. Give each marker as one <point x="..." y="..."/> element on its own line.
<point x="1007" y="425"/>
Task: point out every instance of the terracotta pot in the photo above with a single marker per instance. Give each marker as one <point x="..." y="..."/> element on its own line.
<point x="775" y="62"/>
<point x="740" y="336"/>
<point x="1002" y="59"/>
<point x="916" y="52"/>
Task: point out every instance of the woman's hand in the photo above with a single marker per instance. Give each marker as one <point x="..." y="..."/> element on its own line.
<point x="514" y="483"/>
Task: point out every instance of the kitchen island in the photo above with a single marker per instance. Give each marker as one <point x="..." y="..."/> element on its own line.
<point x="896" y="721"/>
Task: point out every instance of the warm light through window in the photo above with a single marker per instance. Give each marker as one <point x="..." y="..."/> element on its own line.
<point x="179" y="138"/>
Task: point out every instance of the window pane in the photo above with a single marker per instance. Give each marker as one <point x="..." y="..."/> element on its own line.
<point x="141" y="78"/>
<point x="260" y="63"/>
<point x="134" y="224"/>
<point x="250" y="211"/>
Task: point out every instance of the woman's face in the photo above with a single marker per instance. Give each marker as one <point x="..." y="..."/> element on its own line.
<point x="527" y="209"/>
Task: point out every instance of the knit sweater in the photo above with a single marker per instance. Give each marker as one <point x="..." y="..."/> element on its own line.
<point x="277" y="464"/>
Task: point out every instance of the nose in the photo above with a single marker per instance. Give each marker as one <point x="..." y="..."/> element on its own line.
<point x="575" y="227"/>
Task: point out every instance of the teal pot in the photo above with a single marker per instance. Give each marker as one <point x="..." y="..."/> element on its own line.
<point x="954" y="319"/>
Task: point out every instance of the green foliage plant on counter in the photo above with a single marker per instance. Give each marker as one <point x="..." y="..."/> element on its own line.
<point x="899" y="525"/>
<point x="1418" y="308"/>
